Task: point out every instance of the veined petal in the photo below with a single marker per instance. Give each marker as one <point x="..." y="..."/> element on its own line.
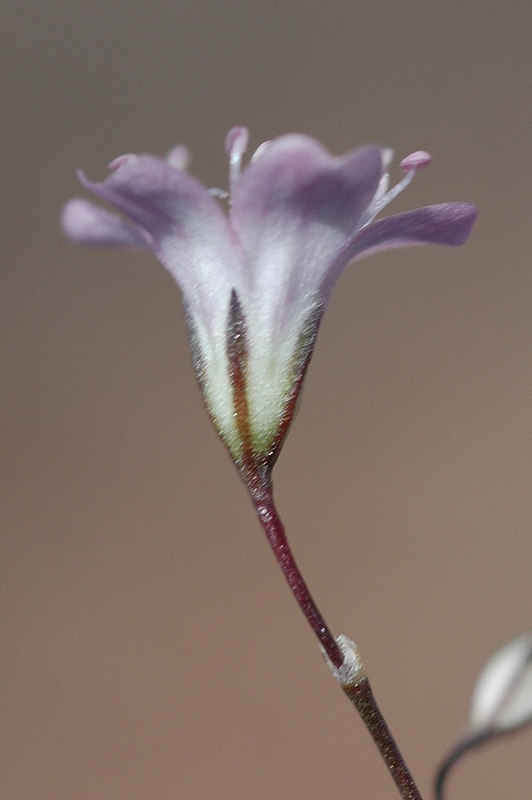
<point x="184" y="226"/>
<point x="445" y="223"/>
<point x="88" y="224"/>
<point x="181" y="223"/>
<point x="292" y="209"/>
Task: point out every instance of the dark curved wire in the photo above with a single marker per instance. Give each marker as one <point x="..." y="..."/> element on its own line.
<point x="470" y="741"/>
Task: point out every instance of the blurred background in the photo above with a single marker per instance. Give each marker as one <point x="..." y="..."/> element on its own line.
<point x="150" y="649"/>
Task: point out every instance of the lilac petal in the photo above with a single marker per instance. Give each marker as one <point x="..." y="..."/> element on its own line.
<point x="185" y="227"/>
<point x="446" y="223"/>
<point x="292" y="208"/>
<point x="87" y="224"/>
<point x="181" y="223"/>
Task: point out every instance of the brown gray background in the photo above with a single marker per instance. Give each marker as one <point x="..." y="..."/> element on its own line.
<point x="149" y="649"/>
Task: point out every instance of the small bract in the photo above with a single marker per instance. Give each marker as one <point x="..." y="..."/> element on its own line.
<point x="502" y="697"/>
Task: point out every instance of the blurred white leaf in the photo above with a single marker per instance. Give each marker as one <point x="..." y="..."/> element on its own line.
<point x="502" y="697"/>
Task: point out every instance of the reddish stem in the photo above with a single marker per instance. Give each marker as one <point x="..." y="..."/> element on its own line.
<point x="260" y="489"/>
<point x="258" y="481"/>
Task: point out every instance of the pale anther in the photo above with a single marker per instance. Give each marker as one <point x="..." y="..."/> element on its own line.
<point x="416" y="161"/>
<point x="236" y="144"/>
<point x="179" y="157"/>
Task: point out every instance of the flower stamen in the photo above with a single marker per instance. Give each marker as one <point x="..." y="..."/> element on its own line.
<point x="179" y="157"/>
<point x="410" y="165"/>
<point x="236" y="144"/>
<point x="221" y="194"/>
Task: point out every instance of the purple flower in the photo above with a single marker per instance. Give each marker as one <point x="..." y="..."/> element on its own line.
<point x="255" y="280"/>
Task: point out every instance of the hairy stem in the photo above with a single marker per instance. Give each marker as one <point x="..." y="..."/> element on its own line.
<point x="362" y="698"/>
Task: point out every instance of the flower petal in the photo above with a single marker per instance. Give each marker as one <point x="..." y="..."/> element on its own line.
<point x="446" y="223"/>
<point x="88" y="224"/>
<point x="292" y="209"/>
<point x="182" y="224"/>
